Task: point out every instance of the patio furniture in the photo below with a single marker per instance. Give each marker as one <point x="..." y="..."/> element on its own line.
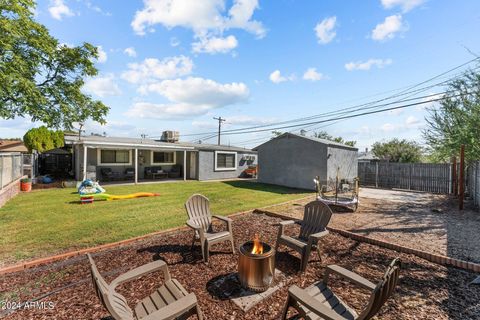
<point x="319" y="302"/>
<point x="130" y="173"/>
<point x="200" y="220"/>
<point x="315" y="218"/>
<point x="169" y="301"/>
<point x="175" y="172"/>
<point x="155" y="172"/>
<point x="109" y="175"/>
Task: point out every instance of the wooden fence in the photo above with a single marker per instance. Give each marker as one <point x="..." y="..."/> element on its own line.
<point x="474" y="182"/>
<point x="430" y="177"/>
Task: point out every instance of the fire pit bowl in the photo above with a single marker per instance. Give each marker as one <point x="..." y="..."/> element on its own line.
<point x="256" y="268"/>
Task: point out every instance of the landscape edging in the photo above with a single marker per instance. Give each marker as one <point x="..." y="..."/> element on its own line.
<point x="435" y="258"/>
<point x="70" y="254"/>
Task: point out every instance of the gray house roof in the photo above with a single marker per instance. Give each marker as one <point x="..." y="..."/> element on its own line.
<point x="100" y="141"/>
<point x="323" y="141"/>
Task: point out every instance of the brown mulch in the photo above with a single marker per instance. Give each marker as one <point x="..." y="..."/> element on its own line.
<point x="425" y="291"/>
<point x="423" y="221"/>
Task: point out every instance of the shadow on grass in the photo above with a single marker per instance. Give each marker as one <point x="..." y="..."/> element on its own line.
<point x="257" y="186"/>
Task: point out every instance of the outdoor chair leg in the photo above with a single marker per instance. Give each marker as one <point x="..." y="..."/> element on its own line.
<point x="285" y="309"/>
<point x="233" y="245"/>
<point x="193" y="241"/>
<point x="199" y="313"/>
<point x="205" y="251"/>
<point x="319" y="253"/>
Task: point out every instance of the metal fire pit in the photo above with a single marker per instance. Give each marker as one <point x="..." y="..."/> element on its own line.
<point x="256" y="271"/>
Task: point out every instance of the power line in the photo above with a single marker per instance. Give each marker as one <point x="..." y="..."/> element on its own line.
<point x="407" y="91"/>
<point x="346" y="116"/>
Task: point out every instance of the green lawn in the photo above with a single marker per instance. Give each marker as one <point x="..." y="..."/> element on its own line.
<point x="46" y="222"/>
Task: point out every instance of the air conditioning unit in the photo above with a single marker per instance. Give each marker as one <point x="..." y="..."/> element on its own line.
<point x="170" y="136"/>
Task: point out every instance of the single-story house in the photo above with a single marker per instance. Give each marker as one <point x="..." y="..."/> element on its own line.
<point x="110" y="158"/>
<point x="294" y="160"/>
<point x="367" y="156"/>
<point x="12" y="146"/>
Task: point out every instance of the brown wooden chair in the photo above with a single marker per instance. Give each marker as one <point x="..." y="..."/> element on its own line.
<point x="319" y="302"/>
<point x="170" y="301"/>
<point x="200" y="220"/>
<point x="315" y="219"/>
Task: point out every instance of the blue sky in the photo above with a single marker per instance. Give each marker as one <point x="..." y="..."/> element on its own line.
<point x="175" y="64"/>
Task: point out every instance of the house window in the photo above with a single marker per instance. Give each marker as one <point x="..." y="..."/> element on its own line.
<point x="161" y="157"/>
<point x="118" y="157"/>
<point x="225" y="160"/>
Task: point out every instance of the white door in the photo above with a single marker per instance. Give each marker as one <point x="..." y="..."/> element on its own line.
<point x="193" y="165"/>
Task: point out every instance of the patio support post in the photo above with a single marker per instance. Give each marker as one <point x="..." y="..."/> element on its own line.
<point x="184" y="165"/>
<point x="136" y="165"/>
<point x="84" y="162"/>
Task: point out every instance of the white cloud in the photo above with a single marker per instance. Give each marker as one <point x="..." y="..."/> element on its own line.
<point x="406" y="5"/>
<point x="387" y="127"/>
<point x="325" y="30"/>
<point x="429" y="101"/>
<point x="189" y="97"/>
<point x="102" y="86"/>
<point x="152" y="69"/>
<point x="367" y="65"/>
<point x="411" y="121"/>
<point x="130" y="51"/>
<point x="244" y="120"/>
<point x="102" y="55"/>
<point x="312" y="75"/>
<point x="396" y="112"/>
<point x="214" y="45"/>
<point x="388" y="28"/>
<point x="58" y="9"/>
<point x="201" y="16"/>
<point x="276" y="77"/>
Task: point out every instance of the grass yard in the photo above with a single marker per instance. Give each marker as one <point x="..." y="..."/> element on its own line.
<point x="46" y="222"/>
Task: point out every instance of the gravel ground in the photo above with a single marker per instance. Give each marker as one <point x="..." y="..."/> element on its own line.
<point x="425" y="291"/>
<point x="422" y="221"/>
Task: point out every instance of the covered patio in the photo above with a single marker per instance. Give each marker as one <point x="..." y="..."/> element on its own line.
<point x="117" y="162"/>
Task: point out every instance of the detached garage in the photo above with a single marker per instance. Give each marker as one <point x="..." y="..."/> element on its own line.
<point x="293" y="160"/>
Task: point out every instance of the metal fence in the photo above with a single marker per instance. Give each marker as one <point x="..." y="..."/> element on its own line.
<point x="11" y="168"/>
<point x="474" y="182"/>
<point x="430" y="177"/>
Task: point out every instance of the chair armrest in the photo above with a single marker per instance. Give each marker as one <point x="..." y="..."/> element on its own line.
<point x="315" y="306"/>
<point x="174" y="309"/>
<point x="142" y="270"/>
<point x="318" y="235"/>
<point x="193" y="225"/>
<point x="349" y="275"/>
<point x="226" y="219"/>
<point x="283" y="224"/>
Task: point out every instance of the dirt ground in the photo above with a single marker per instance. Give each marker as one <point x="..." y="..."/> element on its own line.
<point x="418" y="220"/>
<point x="425" y="290"/>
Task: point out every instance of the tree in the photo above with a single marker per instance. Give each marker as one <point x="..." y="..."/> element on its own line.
<point x="41" y="139"/>
<point x="397" y="150"/>
<point x="456" y="120"/>
<point x="325" y="135"/>
<point x="39" y="77"/>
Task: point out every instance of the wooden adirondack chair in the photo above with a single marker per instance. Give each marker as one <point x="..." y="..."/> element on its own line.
<point x="170" y="301"/>
<point x="319" y="302"/>
<point x="200" y="220"/>
<point x="315" y="219"/>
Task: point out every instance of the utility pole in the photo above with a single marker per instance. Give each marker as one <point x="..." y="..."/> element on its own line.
<point x="220" y="120"/>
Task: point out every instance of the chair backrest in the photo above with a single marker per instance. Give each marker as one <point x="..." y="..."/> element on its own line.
<point x="114" y="302"/>
<point x="106" y="170"/>
<point x="198" y="210"/>
<point x="383" y="290"/>
<point x="129" y="170"/>
<point x="316" y="217"/>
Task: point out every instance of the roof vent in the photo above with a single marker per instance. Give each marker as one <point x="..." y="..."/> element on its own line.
<point x="170" y="136"/>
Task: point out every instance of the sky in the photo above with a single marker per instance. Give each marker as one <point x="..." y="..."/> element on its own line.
<point x="176" y="64"/>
